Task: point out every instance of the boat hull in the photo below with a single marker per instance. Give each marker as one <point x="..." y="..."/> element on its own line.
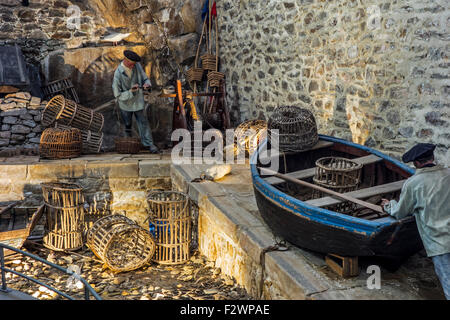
<point x="319" y="237"/>
<point x="330" y="232"/>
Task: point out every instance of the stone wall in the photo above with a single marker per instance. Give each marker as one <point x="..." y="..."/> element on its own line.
<point x="20" y="117"/>
<point x="375" y="72"/>
<point x="68" y="39"/>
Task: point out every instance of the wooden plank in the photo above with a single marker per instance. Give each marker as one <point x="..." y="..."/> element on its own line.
<point x="359" y="194"/>
<point x="309" y="173"/>
<point x="348" y="266"/>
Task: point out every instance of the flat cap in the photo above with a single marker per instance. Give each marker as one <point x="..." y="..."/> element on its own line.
<point x="418" y="152"/>
<point x="131" y="55"/>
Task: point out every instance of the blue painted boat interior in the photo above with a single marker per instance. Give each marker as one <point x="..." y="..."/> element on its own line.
<point x="320" y="215"/>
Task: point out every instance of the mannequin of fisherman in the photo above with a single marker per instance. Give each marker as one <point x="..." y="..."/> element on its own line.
<point x="426" y="195"/>
<point x="129" y="80"/>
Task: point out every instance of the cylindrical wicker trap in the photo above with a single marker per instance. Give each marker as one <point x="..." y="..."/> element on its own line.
<point x="65" y="216"/>
<point x="57" y="143"/>
<point x="69" y="113"/>
<point x="120" y="243"/>
<point x="295" y="128"/>
<point x="64" y="87"/>
<point x="337" y="174"/>
<point x="248" y="135"/>
<point x="127" y="144"/>
<point x="92" y="141"/>
<point x="170" y="222"/>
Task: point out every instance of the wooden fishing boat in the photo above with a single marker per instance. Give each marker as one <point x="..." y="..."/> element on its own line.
<point x="318" y="222"/>
<point x="17" y="223"/>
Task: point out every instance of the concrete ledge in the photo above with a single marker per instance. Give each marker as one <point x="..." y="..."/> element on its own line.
<point x="152" y="168"/>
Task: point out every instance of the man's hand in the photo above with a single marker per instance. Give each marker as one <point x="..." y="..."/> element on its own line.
<point x="384" y="202"/>
<point x="146" y="86"/>
<point x="134" y="88"/>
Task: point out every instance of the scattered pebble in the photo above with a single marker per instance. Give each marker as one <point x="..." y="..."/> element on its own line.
<point x="197" y="279"/>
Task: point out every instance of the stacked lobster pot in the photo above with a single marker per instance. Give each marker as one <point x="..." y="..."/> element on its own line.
<point x="64" y="114"/>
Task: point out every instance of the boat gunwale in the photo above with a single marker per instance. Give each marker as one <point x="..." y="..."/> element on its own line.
<point x="321" y="215"/>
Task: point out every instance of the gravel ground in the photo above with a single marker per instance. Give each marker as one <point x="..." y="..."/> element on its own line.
<point x="196" y="279"/>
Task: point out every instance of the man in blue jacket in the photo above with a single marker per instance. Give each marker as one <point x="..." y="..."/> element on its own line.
<point x="426" y="195"/>
<point x="128" y="84"/>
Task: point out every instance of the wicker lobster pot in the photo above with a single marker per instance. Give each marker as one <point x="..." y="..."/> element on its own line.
<point x="69" y="113"/>
<point x="209" y="62"/>
<point x="248" y="135"/>
<point x="337" y="174"/>
<point x="194" y="74"/>
<point x="92" y="141"/>
<point x="127" y="144"/>
<point x="295" y="128"/>
<point x="170" y="223"/>
<point x="57" y="143"/>
<point x="215" y="78"/>
<point x="120" y="243"/>
<point x="65" y="216"/>
<point x="63" y="86"/>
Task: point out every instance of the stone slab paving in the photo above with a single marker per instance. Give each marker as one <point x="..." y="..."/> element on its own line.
<point x="237" y="236"/>
<point x="296" y="273"/>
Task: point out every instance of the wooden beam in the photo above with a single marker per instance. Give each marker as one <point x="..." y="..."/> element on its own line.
<point x="309" y="173"/>
<point x="369" y="205"/>
<point x="359" y="194"/>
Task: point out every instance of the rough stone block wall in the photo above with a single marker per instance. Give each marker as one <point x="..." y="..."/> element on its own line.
<point x="375" y="72"/>
<point x="20" y="118"/>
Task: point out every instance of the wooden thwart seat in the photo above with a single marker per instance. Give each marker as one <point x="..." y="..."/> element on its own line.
<point x="309" y="173"/>
<point x="359" y="194"/>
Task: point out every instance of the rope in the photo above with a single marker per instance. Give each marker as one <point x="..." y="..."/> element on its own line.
<point x="278" y="246"/>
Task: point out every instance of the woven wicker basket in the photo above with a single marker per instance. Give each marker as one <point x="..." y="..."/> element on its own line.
<point x="92" y="141"/>
<point x="170" y="222"/>
<point x="120" y="243"/>
<point x="69" y="113"/>
<point x="209" y="62"/>
<point x="340" y="175"/>
<point x="63" y="86"/>
<point x="65" y="216"/>
<point x="215" y="78"/>
<point x="248" y="135"/>
<point x="59" y="143"/>
<point x="194" y="74"/>
<point x="127" y="145"/>
<point x="294" y="127"/>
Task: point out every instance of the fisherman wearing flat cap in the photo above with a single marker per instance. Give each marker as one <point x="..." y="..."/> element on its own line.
<point x="426" y="195"/>
<point x="129" y="80"/>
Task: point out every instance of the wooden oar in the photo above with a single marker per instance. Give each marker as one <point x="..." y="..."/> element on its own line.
<point x="334" y="193"/>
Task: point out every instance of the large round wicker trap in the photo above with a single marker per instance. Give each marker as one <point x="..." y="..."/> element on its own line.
<point x="57" y="143"/>
<point x="127" y="144"/>
<point x="65" y="216"/>
<point x="209" y="62"/>
<point x="69" y="113"/>
<point x="170" y="222"/>
<point x="120" y="243"/>
<point x="294" y="127"/>
<point x="63" y="86"/>
<point x="248" y="135"/>
<point x="194" y="74"/>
